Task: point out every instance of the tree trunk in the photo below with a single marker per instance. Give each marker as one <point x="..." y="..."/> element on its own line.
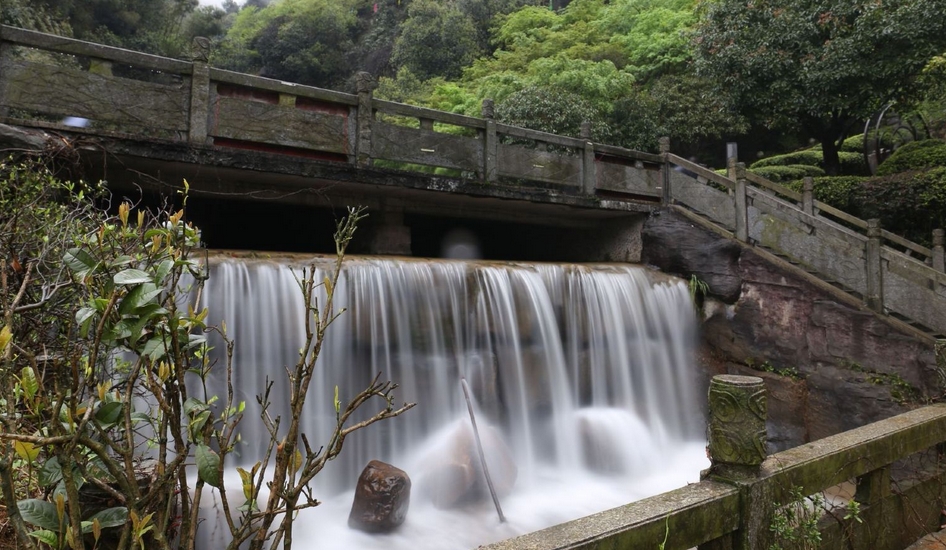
<point x="832" y="161"/>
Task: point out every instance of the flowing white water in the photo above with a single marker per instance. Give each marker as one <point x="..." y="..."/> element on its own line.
<point x="584" y="372"/>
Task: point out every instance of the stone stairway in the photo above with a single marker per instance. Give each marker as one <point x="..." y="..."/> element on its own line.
<point x="888" y="274"/>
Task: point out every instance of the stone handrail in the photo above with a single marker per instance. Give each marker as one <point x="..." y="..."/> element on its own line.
<point x="734" y="505"/>
<point x="890" y="273"/>
<point x="123" y="94"/>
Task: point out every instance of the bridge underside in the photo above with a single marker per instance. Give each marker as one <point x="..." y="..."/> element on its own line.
<point x="259" y="200"/>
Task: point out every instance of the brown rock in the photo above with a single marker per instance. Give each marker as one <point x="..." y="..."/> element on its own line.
<point x="382" y="497"/>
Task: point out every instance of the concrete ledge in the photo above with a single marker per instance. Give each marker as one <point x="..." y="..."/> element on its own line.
<point x="691" y="515"/>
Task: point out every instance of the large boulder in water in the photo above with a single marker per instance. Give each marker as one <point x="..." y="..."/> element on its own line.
<point x="457" y="477"/>
<point x="382" y="497"/>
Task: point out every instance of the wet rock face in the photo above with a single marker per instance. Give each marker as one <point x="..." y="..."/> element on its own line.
<point x="845" y="366"/>
<point x="382" y="497"/>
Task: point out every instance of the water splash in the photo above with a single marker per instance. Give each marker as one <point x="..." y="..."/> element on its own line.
<point x="584" y="372"/>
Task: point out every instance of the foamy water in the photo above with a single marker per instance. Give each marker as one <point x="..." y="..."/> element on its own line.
<point x="584" y="372"/>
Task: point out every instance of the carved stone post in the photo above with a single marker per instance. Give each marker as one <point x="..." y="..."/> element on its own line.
<point x="737" y="437"/>
<point x="741" y="204"/>
<point x="737" y="411"/>
<point x="588" y="171"/>
<point x="365" y="85"/>
<point x="665" y="171"/>
<point x="939" y="258"/>
<point x="808" y="195"/>
<point x="490" y="142"/>
<point x="875" y="281"/>
<point x="200" y="91"/>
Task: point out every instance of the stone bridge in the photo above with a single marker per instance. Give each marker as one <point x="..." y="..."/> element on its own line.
<point x="244" y="142"/>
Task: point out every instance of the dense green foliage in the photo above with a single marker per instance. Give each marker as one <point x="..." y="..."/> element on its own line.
<point x="552" y="111"/>
<point x="818" y="66"/>
<point x="156" y="26"/>
<point x="436" y="40"/>
<point x="788" y="172"/>
<point x="852" y="164"/>
<point x="916" y="155"/>
<point x="299" y="40"/>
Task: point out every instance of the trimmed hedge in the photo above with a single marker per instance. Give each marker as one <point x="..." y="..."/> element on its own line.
<point x="911" y="204"/>
<point x="787" y="173"/>
<point x="916" y="155"/>
<point x="837" y="191"/>
<point x="852" y="164"/>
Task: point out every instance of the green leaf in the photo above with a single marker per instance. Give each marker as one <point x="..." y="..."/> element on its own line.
<point x="193" y="405"/>
<point x="50" y="473"/>
<point x="80" y="262"/>
<point x="208" y="464"/>
<point x="155" y="348"/>
<point x="39" y="513"/>
<point x="29" y="382"/>
<point x="84" y="319"/>
<point x="120" y="261"/>
<point x="109" y="413"/>
<point x="46" y="537"/>
<point x="197" y="423"/>
<point x="111" y="517"/>
<point x="162" y="271"/>
<point x="139" y="296"/>
<point x="131" y="277"/>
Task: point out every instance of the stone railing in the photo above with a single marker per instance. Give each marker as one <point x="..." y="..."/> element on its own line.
<point x="890" y="273"/>
<point x="60" y="83"/>
<point x="736" y="504"/>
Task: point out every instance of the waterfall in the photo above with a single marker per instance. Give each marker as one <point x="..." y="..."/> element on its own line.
<point x="584" y="372"/>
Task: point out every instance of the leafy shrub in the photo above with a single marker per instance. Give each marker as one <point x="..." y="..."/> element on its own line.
<point x="910" y="204"/>
<point x="836" y="191"/>
<point x="852" y="164"/>
<point x="552" y="110"/>
<point x="788" y="173"/>
<point x="853" y="144"/>
<point x="916" y="155"/>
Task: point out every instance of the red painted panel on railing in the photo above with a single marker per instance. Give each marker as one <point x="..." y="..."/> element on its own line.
<point x="277" y="149"/>
<point x="309" y="104"/>
<point x="252" y="94"/>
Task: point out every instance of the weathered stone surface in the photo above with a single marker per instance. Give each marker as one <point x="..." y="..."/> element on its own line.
<point x="737" y="410"/>
<point x="787" y="400"/>
<point x="20" y="138"/>
<point x="676" y="246"/>
<point x="382" y="497"/>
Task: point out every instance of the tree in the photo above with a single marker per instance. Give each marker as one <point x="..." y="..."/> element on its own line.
<point x="304" y="41"/>
<point x="817" y="65"/>
<point x="551" y="110"/>
<point x="436" y="40"/>
<point x="147" y="25"/>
